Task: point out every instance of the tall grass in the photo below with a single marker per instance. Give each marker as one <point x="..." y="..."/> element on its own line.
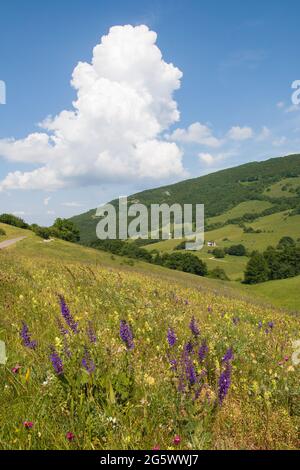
<point x="87" y="384"/>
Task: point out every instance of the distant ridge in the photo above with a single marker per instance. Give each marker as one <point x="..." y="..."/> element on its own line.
<point x="219" y="191"/>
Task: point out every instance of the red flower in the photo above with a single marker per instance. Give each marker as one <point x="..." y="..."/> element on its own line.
<point x="177" y="440"/>
<point x="70" y="436"/>
<point x="156" y="448"/>
<point x="15" y="370"/>
<point x="28" y="424"/>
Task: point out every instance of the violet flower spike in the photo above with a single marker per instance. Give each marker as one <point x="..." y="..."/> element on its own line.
<point x="188" y="347"/>
<point x="228" y="355"/>
<point x="87" y="362"/>
<point x="126" y="334"/>
<point x="171" y="337"/>
<point x="202" y="352"/>
<point x="67" y="315"/>
<point x="194" y="327"/>
<point x="224" y="383"/>
<point x="191" y="373"/>
<point x="56" y="362"/>
<point x="26" y="337"/>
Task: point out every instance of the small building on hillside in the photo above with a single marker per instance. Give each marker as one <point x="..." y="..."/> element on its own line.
<point x="211" y="243"/>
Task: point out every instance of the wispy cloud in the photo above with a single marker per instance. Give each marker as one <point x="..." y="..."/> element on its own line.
<point x="249" y="59"/>
<point x="72" y="204"/>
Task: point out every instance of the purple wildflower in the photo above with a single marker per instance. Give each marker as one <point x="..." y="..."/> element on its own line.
<point x="235" y="320"/>
<point x="67" y="315"/>
<point x="87" y="362"/>
<point x="260" y="325"/>
<point x="26" y="337"/>
<point x="188" y="366"/>
<point x="56" y="362"/>
<point x="173" y="364"/>
<point x="126" y="334"/>
<point x="271" y="325"/>
<point x="189" y="348"/>
<point x="64" y="331"/>
<point x="91" y="333"/>
<point x="228" y="355"/>
<point x="194" y="327"/>
<point x="191" y="373"/>
<point x="203" y="350"/>
<point x="224" y="383"/>
<point x="171" y="337"/>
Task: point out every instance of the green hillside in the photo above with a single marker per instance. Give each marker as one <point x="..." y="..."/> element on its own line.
<point x="254" y="204"/>
<point x="226" y="194"/>
<point x="283" y="294"/>
<point x="70" y="370"/>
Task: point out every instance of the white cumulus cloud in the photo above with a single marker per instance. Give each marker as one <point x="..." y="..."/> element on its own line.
<point x="196" y="133"/>
<point x="207" y="158"/>
<point x="113" y="132"/>
<point x="264" y="134"/>
<point x="210" y="159"/>
<point x="240" y="133"/>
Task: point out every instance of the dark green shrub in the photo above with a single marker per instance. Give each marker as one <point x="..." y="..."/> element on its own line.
<point x="257" y="269"/>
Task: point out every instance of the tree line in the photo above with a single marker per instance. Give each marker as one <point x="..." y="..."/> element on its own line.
<point x="186" y="262"/>
<point x="280" y="262"/>
<point x="62" y="228"/>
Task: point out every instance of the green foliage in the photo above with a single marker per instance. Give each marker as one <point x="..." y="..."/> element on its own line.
<point x="286" y="242"/>
<point x="185" y="262"/>
<point x="236" y="250"/>
<point x="250" y="230"/>
<point x="218" y="273"/>
<point x="122" y="248"/>
<point x="218" y="253"/>
<point x="66" y="230"/>
<point x="43" y="232"/>
<point x="275" y="263"/>
<point x="283" y="261"/>
<point x="257" y="269"/>
<point x="10" y="219"/>
<point x="296" y="211"/>
<point x="181" y="245"/>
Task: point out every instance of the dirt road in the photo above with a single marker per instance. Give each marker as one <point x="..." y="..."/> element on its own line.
<point x="7" y="243"/>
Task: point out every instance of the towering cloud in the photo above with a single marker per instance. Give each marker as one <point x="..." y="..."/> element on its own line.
<point x="113" y="131"/>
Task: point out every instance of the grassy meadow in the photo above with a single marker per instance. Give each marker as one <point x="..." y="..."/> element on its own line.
<point x="283" y="188"/>
<point x="75" y="380"/>
<point x="273" y="227"/>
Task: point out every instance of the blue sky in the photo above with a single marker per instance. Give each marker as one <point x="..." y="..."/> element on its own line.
<point x="238" y="61"/>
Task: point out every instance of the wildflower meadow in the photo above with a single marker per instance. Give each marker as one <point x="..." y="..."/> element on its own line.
<point x="101" y="358"/>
